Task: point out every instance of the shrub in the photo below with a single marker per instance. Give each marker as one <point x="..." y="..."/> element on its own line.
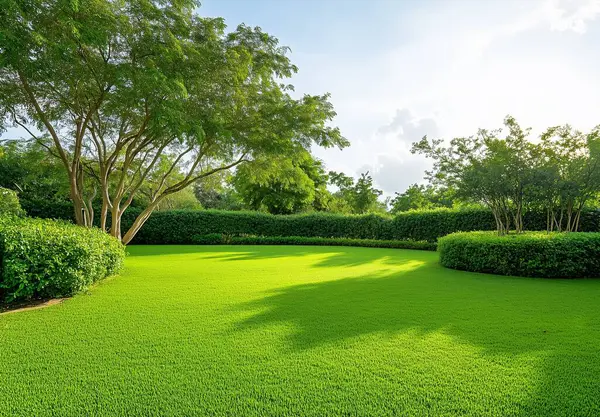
<point x="180" y="226"/>
<point x="9" y="203"/>
<point x="218" y="239"/>
<point x="48" y="209"/>
<point x="532" y="254"/>
<point x="47" y="258"/>
<point x="170" y="227"/>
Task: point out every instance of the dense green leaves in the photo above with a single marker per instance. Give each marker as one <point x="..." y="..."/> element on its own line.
<point x="533" y="254"/>
<point x="180" y="227"/>
<point x="27" y="169"/>
<point x="356" y="197"/>
<point x="148" y="97"/>
<point x="45" y="258"/>
<point x="510" y="174"/>
<point x="9" y="203"/>
<point x="283" y="185"/>
<point x="420" y="197"/>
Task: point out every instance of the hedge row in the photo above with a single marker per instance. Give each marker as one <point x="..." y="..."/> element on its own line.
<point x="220" y="239"/>
<point x="180" y="227"/>
<point x="47" y="258"/>
<point x="532" y="254"/>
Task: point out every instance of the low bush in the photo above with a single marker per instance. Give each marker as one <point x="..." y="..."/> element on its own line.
<point x="47" y="258"/>
<point x="219" y="239"/>
<point x="532" y="254"/>
<point x="9" y="203"/>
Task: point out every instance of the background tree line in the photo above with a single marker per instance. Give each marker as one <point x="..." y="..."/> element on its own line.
<point x="150" y="105"/>
<point x="505" y="170"/>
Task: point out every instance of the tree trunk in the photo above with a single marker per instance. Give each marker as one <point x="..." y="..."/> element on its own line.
<point x="103" y="215"/>
<point x="115" y="225"/>
<point x="138" y="223"/>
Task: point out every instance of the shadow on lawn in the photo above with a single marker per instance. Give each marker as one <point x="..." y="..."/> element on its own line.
<point x="333" y="256"/>
<point x="558" y="320"/>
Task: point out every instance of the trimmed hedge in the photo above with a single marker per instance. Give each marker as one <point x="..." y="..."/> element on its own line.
<point x="180" y="226"/>
<point x="47" y="258"/>
<point x="532" y="254"/>
<point x="219" y="239"/>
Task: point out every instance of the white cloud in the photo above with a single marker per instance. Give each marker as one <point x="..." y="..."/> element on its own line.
<point x="467" y="65"/>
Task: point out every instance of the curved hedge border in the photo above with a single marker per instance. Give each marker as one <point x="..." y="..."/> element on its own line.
<point x="48" y="258"/>
<point x="532" y="254"/>
<point x="219" y="239"/>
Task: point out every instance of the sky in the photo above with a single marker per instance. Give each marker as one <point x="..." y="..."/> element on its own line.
<point x="398" y="70"/>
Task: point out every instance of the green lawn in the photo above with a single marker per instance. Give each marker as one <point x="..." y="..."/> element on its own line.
<point x="318" y="331"/>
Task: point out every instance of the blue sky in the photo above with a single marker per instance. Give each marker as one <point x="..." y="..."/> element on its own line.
<point x="398" y="70"/>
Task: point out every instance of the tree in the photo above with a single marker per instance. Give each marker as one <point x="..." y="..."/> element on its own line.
<point x="360" y="196"/>
<point x="26" y="169"/>
<point x="216" y="192"/>
<point x="365" y="195"/>
<point x="420" y="197"/>
<point x="9" y="203"/>
<point x="567" y="175"/>
<point x="139" y="95"/>
<point x="486" y="169"/>
<point x="283" y="185"/>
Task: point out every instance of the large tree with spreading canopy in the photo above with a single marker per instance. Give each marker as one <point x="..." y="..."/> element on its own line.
<point x="147" y="96"/>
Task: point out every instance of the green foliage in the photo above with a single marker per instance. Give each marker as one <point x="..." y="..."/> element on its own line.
<point x="532" y="254"/>
<point x="216" y="192"/>
<point x="508" y="173"/>
<point x="284" y="184"/>
<point x="145" y="98"/>
<point x="9" y="203"/>
<point x="420" y="197"/>
<point x="358" y="197"/>
<point x="181" y="200"/>
<point x="220" y="239"/>
<point x="26" y="168"/>
<point x="180" y="227"/>
<point x="46" y="258"/>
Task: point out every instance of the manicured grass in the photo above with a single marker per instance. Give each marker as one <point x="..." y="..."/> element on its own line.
<point x="295" y="331"/>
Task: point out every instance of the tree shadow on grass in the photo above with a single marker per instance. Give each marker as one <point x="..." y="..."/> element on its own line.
<point x="330" y="256"/>
<point x="558" y="320"/>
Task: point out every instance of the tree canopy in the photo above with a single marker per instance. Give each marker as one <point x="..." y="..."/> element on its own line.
<point x="357" y="197"/>
<point x="509" y="173"/>
<point x="283" y="185"/>
<point x="146" y="95"/>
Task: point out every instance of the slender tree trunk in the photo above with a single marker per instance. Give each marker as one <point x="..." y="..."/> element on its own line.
<point x="138" y="223"/>
<point x="115" y="225"/>
<point x="103" y="214"/>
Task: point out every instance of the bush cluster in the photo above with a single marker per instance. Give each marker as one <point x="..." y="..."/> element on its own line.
<point x="9" y="203"/>
<point x="532" y="254"/>
<point x="47" y="258"/>
<point x="220" y="239"/>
